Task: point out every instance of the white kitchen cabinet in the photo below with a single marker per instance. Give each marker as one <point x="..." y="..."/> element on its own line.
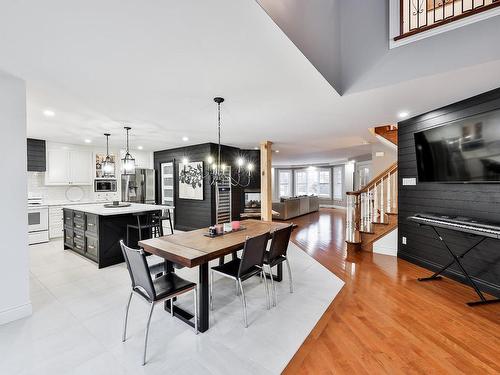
<point x="56" y="221"/>
<point x="58" y="167"/>
<point x="80" y="167"/>
<point x="69" y="167"/>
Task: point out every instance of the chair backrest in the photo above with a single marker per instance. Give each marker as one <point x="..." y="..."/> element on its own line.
<point x="138" y="270"/>
<point x="253" y="253"/>
<point x="279" y="242"/>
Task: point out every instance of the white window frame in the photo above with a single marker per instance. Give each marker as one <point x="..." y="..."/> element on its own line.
<point x="308" y="182"/>
<point x="334" y="182"/>
<point x="289" y="184"/>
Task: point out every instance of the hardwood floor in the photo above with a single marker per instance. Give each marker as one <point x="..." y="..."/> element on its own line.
<point x="384" y="321"/>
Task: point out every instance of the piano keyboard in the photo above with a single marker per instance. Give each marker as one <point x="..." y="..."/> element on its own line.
<point x="474" y="227"/>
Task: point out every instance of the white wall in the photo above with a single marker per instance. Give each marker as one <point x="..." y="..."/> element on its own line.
<point x="14" y="264"/>
<point x="380" y="163"/>
<point x="314" y="27"/>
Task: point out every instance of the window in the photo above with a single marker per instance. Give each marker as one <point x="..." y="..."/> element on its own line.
<point x="324" y="183"/>
<point x="338" y="181"/>
<point x="300" y="182"/>
<point x="313" y="181"/>
<point x="285" y="183"/>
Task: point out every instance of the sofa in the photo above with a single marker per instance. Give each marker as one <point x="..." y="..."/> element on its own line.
<point x="288" y="208"/>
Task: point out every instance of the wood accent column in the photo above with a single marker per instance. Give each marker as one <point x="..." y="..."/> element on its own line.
<point x="266" y="189"/>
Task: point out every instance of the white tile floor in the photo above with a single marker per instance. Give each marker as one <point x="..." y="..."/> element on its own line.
<point x="78" y="313"/>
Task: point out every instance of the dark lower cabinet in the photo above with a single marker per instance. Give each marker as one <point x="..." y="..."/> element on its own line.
<point x="97" y="237"/>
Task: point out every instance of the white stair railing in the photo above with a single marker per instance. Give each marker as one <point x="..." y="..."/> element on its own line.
<point x="372" y="204"/>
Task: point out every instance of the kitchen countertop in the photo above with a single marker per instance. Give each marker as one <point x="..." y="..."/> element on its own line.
<point x="99" y="209"/>
<point x="67" y="203"/>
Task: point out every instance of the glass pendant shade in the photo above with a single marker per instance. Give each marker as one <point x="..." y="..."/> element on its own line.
<point x="128" y="162"/>
<point x="108" y="165"/>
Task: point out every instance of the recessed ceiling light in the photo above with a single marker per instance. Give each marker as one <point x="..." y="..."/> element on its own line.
<point x="88" y="141"/>
<point x="403" y="114"/>
<point x="49" y="113"/>
<point x="255" y="148"/>
<point x="140" y="147"/>
<point x="185" y="139"/>
<point x="277" y="151"/>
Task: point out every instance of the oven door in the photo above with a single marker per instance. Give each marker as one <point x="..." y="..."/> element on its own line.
<point x="38" y="219"/>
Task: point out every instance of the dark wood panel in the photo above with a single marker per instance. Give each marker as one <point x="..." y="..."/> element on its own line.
<point x="195" y="214"/>
<point x="36" y="155"/>
<point x="477" y="200"/>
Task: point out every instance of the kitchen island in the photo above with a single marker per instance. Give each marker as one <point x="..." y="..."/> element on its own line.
<point x="95" y="231"/>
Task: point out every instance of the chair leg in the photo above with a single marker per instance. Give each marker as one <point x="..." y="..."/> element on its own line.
<point x="211" y="290"/>
<point x="171" y="307"/>
<point x="244" y="303"/>
<point x="124" y="336"/>
<point x="170" y="223"/>
<point x="147" y="333"/>
<point x="273" y="286"/>
<point x="237" y="288"/>
<point x="263" y="276"/>
<point x="289" y="275"/>
<point x="128" y="241"/>
<point x="195" y="298"/>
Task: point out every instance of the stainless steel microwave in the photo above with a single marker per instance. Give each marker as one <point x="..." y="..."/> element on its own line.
<point x="105" y="185"/>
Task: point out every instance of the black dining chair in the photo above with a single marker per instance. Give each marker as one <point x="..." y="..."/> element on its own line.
<point x="166" y="287"/>
<point x="241" y="269"/>
<point x="278" y="254"/>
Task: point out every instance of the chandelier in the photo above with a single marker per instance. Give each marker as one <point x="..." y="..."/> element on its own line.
<point x="108" y="165"/>
<point x="128" y="162"/>
<point x="219" y="172"/>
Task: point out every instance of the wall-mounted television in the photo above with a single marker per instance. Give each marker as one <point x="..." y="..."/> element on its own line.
<point x="462" y="151"/>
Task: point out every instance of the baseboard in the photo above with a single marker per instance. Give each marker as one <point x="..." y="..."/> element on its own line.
<point x="332" y="206"/>
<point x="15" y="313"/>
<point x="483" y="285"/>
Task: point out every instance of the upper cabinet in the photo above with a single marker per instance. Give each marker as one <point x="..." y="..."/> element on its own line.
<point x="36" y="155"/>
<point x="69" y="167"/>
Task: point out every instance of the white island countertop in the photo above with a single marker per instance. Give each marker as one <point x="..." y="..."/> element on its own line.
<point x="99" y="209"/>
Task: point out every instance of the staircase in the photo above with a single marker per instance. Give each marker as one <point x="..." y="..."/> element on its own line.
<point x="372" y="211"/>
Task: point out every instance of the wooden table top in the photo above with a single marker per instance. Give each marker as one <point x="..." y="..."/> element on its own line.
<point x="193" y="248"/>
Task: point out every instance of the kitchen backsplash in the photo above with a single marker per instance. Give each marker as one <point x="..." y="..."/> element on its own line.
<point x="37" y="187"/>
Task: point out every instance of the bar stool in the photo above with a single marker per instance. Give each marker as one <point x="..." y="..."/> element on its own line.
<point x="158" y="219"/>
<point x="145" y="220"/>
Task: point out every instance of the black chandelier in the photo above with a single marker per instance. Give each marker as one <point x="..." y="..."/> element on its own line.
<point x="219" y="172"/>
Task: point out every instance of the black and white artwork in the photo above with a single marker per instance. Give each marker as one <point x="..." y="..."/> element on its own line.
<point x="191" y="180"/>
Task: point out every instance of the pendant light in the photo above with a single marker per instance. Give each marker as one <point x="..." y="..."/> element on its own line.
<point x="128" y="162"/>
<point x="218" y="172"/>
<point x="108" y="165"/>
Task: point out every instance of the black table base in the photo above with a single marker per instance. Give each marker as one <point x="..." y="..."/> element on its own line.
<point x="456" y="259"/>
<point x="203" y="298"/>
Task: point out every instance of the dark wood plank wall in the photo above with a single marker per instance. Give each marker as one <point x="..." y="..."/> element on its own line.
<point x="195" y="214"/>
<point x="36" y="155"/>
<point x="189" y="214"/>
<point x="480" y="201"/>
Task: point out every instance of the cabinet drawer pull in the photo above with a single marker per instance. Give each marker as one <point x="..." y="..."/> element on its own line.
<point x="91" y="247"/>
<point x="90" y="224"/>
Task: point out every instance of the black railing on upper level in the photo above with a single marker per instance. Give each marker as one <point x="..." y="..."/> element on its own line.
<point x="421" y="15"/>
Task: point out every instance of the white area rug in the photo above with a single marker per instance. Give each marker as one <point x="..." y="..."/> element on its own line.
<point x="78" y="315"/>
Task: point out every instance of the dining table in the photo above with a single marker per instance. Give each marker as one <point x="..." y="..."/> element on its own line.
<point x="196" y="249"/>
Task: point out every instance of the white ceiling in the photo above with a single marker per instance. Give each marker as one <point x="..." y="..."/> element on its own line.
<point x="156" y="65"/>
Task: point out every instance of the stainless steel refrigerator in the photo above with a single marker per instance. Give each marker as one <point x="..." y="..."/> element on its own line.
<point x="139" y="187"/>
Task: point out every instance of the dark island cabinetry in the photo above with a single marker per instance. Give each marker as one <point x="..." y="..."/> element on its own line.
<point x="95" y="237"/>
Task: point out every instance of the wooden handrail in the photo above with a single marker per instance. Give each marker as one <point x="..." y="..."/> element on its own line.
<point x="375" y="180"/>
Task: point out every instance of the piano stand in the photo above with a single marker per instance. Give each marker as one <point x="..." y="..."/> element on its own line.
<point x="456" y="259"/>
